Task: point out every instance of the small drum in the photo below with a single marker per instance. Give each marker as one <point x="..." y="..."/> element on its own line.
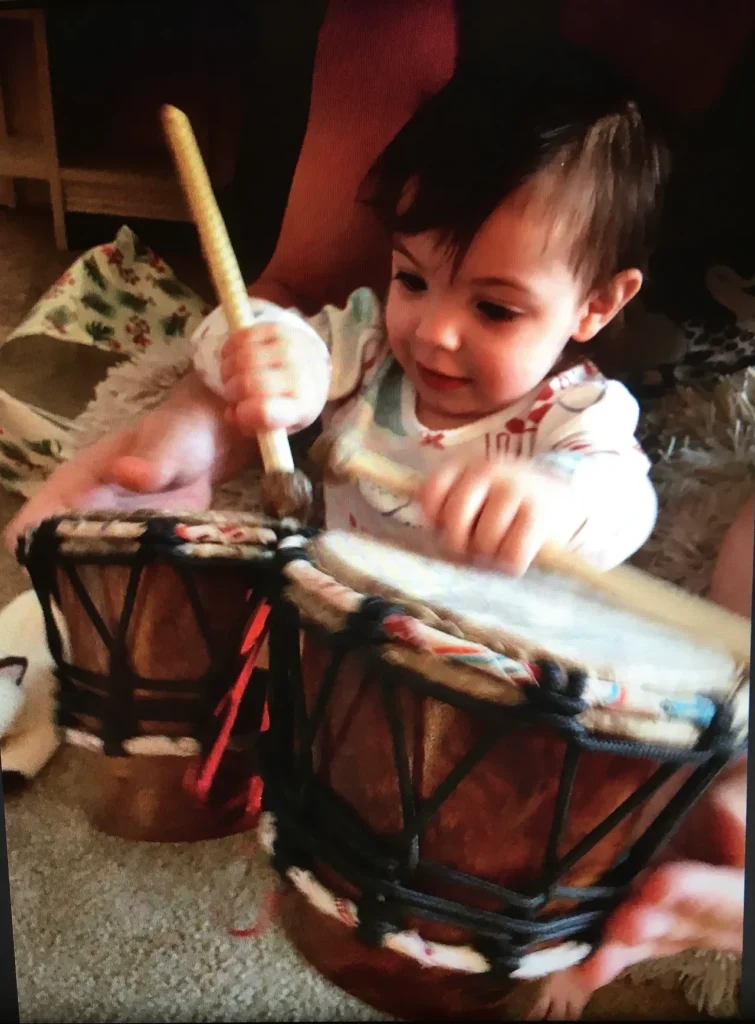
<point x="155" y="624"/>
<point x="464" y="771"/>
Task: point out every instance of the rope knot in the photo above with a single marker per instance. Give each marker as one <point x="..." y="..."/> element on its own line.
<point x="365" y="626"/>
<point x="720" y="734"/>
<point x="161" y="532"/>
<point x="291" y="548"/>
<point x="558" y="692"/>
<point x="375" y="920"/>
<point x="503" y="955"/>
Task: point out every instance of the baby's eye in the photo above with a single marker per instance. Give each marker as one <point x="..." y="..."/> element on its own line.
<point x="495" y="313"/>
<point x="412" y="282"/>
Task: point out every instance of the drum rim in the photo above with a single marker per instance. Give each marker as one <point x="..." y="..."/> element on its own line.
<point x="615" y="707"/>
<point x="99" y="535"/>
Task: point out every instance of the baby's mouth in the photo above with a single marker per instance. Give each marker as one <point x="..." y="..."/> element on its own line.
<point x="441" y="381"/>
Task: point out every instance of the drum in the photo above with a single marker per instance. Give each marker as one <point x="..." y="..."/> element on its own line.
<point x="155" y="624"/>
<point x="464" y="771"/>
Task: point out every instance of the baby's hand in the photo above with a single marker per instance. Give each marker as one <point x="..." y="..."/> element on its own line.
<point x="499" y="513"/>
<point x="276" y="376"/>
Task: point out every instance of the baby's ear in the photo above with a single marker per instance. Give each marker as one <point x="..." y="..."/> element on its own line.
<point x="606" y="301"/>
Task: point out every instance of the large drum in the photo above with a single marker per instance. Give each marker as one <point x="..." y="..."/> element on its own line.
<point x="464" y="771"/>
<point x="156" y="624"/>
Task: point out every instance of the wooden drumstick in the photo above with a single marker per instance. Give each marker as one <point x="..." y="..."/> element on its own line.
<point x="286" y="490"/>
<point x="626" y="586"/>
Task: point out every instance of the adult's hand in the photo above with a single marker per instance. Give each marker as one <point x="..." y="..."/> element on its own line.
<point x="691" y="898"/>
<point x="169" y="460"/>
<point x="694" y="895"/>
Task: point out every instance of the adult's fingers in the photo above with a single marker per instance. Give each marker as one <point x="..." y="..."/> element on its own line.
<point x="684" y="902"/>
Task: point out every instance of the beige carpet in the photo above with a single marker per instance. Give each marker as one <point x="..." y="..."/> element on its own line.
<point x="116" y="931"/>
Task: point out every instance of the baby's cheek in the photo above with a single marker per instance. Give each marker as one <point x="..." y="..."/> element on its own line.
<point x="400" y="327"/>
<point x="401" y="350"/>
<point x="502" y="378"/>
<point x="531" y="363"/>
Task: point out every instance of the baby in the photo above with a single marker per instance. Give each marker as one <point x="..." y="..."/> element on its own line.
<point x="519" y="225"/>
<point x="520" y="208"/>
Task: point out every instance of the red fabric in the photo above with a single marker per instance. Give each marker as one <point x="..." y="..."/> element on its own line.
<point x="376" y="61"/>
<point x="268" y="912"/>
<point x="681" y="50"/>
<point x="201" y="783"/>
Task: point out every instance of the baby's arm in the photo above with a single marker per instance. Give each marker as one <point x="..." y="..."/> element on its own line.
<point x="585" y="487"/>
<point x="186" y="442"/>
<point x="588" y="440"/>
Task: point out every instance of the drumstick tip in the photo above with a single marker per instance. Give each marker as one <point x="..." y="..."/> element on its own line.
<point x="170" y="115"/>
<point x="287" y="494"/>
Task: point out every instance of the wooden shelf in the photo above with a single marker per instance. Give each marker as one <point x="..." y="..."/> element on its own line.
<point x="28" y="146"/>
<point x="23" y="158"/>
<point x="99" y="149"/>
<point x="122" y="185"/>
<point x="115" y="191"/>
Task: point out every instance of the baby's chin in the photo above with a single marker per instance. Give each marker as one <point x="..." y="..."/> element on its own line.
<point x="447" y="412"/>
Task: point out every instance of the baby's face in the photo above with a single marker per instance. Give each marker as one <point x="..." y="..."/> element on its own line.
<point x="475" y="342"/>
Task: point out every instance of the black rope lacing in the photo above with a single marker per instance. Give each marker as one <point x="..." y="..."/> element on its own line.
<point x="108" y="698"/>
<point x="313" y="824"/>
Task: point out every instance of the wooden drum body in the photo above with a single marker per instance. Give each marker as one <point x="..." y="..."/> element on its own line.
<point x="456" y="804"/>
<point x="146" y="618"/>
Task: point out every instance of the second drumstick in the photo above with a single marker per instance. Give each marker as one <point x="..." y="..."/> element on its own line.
<point x="625" y="585"/>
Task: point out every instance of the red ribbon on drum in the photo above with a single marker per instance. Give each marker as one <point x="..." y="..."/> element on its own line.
<point x="200" y="783"/>
<point x="268" y="912"/>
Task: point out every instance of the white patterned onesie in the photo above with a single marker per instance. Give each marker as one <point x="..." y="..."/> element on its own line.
<point x="576" y="423"/>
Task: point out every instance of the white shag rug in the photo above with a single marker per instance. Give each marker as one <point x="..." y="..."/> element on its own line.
<point x="702" y="441"/>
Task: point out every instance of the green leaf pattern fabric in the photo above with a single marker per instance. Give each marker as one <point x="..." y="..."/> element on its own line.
<point x="120" y="296"/>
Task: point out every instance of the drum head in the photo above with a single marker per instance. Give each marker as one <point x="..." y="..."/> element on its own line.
<point x="543" y="613"/>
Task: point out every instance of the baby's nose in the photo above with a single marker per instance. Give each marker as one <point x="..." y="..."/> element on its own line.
<point x="440" y="332"/>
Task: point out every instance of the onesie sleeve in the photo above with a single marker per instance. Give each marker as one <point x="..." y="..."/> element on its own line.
<point x="353" y="335"/>
<point x="587" y="436"/>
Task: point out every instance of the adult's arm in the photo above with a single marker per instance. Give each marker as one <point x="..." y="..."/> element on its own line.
<point x="364" y="89"/>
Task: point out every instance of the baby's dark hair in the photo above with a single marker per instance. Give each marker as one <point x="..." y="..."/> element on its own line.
<point x="574" y="132"/>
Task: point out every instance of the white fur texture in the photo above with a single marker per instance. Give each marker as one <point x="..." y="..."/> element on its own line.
<point x="11" y="697"/>
<point x="28" y="741"/>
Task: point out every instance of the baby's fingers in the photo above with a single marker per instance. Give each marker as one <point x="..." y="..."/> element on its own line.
<point x="268" y="413"/>
<point x="276" y="382"/>
<point x="435" y="488"/>
<point x="250" y="351"/>
<point x="249" y="339"/>
<point x="522" y="541"/>
<point x="453" y="499"/>
<point x="494" y="522"/>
